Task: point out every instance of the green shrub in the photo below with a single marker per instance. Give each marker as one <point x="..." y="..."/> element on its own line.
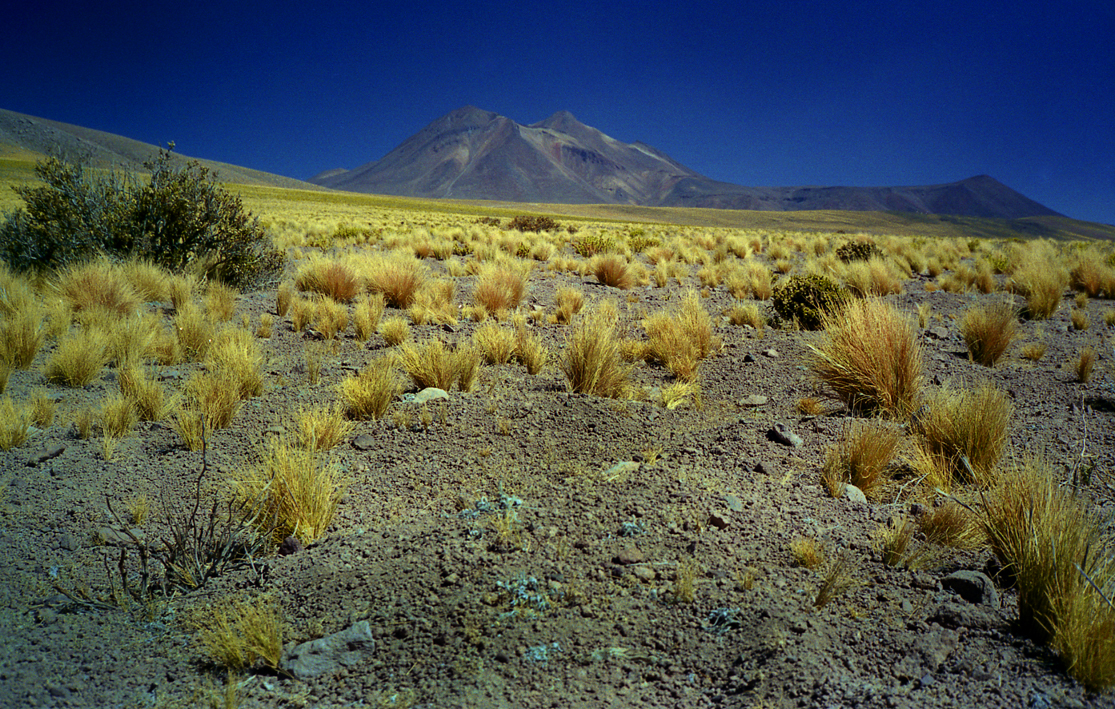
<point x="179" y="218"/>
<point x="807" y="299"/>
<point x="857" y="251"/>
<point x="529" y="223"/>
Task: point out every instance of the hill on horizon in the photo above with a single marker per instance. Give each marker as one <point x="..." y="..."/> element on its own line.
<point x="475" y="154"/>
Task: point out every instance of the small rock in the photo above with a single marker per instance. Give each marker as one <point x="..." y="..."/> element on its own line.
<point x="629" y="555"/>
<point x="972" y="586"/>
<point x="364" y="442"/>
<point x="643" y="573"/>
<point x="46" y="454"/>
<point x="430" y="394"/>
<point x="753" y="400"/>
<point x="749" y="357"/>
<point x="781" y="433"/>
<point x="772" y="353"/>
<point x="853" y="494"/>
<point x="966" y="615"/>
<point x="103" y="536"/>
<point x="720" y="520"/>
<point x="68" y="542"/>
<point x="331" y="653"/>
<point x="274" y="431"/>
<point x="290" y="545"/>
<point x="765" y="467"/>
<point x="733" y="502"/>
<point x="938" y="333"/>
<point x="620" y="469"/>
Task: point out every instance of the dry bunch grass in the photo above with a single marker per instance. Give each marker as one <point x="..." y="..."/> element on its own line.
<point x="950" y="524"/>
<point x="963" y="432"/>
<point x="236" y="634"/>
<point x="808" y="552"/>
<point x="368" y="395"/>
<point x="681" y="339"/>
<point x="145" y="393"/>
<point x="1059" y="553"/>
<point x="495" y="342"/>
<point x="1084" y="363"/>
<point x="78" y="358"/>
<point x="15" y="423"/>
<point x="435" y="302"/>
<point x="614" y="271"/>
<point x="322" y="427"/>
<point x="220" y="301"/>
<point x="236" y="356"/>
<point x="367" y="314"/>
<point x="330" y="318"/>
<point x="872" y="277"/>
<point x="118" y="416"/>
<point x="500" y="287"/>
<point x="194" y="331"/>
<point x="332" y="279"/>
<point x="870" y="358"/>
<point x="568" y="302"/>
<point x="395" y="330"/>
<point x="432" y="364"/>
<point x="398" y="276"/>
<point x="592" y="363"/>
<point x="22" y="333"/>
<point x="988" y="330"/>
<point x="97" y="285"/>
<point x="862" y="457"/>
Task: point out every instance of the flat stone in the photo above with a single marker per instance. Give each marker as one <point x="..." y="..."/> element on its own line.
<point x="68" y="542"/>
<point x="620" y="469"/>
<point x="104" y="536"/>
<point x="966" y="615"/>
<point x="720" y="519"/>
<point x="629" y="555"/>
<point x="733" y="502"/>
<point x="364" y="442"/>
<point x="330" y="654"/>
<point x="47" y="453"/>
<point x="430" y="394"/>
<point x="753" y="400"/>
<point x="643" y="572"/>
<point x="772" y="353"/>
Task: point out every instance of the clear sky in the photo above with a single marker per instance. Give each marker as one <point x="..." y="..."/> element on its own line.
<point x="857" y="92"/>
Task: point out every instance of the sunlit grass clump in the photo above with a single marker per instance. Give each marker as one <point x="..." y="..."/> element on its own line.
<point x="592" y="362"/>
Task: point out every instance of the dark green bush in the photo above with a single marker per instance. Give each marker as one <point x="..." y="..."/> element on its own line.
<point x="857" y="251"/>
<point x="180" y="218"/>
<point x="528" y="223"/>
<point x="807" y="299"/>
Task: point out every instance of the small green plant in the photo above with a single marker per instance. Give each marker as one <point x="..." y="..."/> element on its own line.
<point x="863" y="250"/>
<point x="525" y="223"/>
<point x="807" y="299"/>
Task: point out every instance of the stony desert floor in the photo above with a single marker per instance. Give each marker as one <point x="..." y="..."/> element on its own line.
<point x="518" y="545"/>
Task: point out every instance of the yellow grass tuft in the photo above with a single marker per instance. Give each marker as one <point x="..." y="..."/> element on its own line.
<point x="368" y="395"/>
<point x="592" y="363"/>
<point x="988" y="330"/>
<point x="78" y="358"/>
<point x="15" y="423"/>
<point x="322" y="427"/>
<point x="963" y="431"/>
<point x="862" y="457"/>
<point x="239" y="633"/>
<point x="870" y="358"/>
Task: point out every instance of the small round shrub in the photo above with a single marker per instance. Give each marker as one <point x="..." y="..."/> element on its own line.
<point x="807" y="299"/>
<point x="857" y="251"/>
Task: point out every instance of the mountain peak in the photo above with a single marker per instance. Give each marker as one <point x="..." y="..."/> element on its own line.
<point x="560" y="120"/>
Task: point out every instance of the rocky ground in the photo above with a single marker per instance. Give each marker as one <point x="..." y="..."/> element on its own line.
<point x="530" y="547"/>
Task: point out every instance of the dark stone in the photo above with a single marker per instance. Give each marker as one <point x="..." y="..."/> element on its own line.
<point x="972" y="586"/>
<point x="290" y="545"/>
<point x="781" y="433"/>
<point x="46" y="454"/>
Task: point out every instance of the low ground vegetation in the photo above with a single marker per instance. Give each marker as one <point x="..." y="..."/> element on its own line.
<point x="600" y="428"/>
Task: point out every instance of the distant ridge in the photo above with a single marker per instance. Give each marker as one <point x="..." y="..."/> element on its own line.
<point x="475" y="154"/>
<point x="31" y="137"/>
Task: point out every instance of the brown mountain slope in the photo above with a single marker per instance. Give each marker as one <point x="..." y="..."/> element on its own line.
<point x="28" y="138"/>
<point x="476" y="154"/>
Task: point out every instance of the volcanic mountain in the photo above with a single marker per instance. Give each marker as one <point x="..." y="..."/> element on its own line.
<point x="475" y="154"/>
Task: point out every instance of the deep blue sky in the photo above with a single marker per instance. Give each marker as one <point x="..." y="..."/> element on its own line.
<point x="757" y="93"/>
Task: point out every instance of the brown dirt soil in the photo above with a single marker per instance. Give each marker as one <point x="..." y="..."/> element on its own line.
<point x="578" y="604"/>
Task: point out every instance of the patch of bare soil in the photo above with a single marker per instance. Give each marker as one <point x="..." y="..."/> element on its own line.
<point x="528" y="547"/>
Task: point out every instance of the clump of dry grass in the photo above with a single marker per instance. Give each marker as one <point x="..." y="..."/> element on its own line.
<point x="398" y="276"/>
<point x="870" y="358"/>
<point x="395" y="330"/>
<point x="321" y="427"/>
<point x="297" y="490"/>
<point x="145" y="393"/>
<point x="809" y="406"/>
<point x="808" y="552"/>
<point x="132" y="339"/>
<point x="432" y="364"/>
<point x="872" y="277"/>
<point x="283" y="298"/>
<point x="749" y="315"/>
<point x="839" y="579"/>
<point x="495" y="342"/>
<point x="238" y="633"/>
<point x="962" y="433"/>
<point x="330" y="318"/>
<point x="1058" y="550"/>
<point x="568" y="302"/>
<point x="22" y="333"/>
<point x="1042" y="284"/>
<point x="1092" y="275"/>
<point x="1084" y="363"/>
<point x="861" y="458"/>
<point x="435" y="302"/>
<point x="682" y="338"/>
<point x="15" y="423"/>
<point x="78" y="358"/>
<point x="220" y="301"/>
<point x="43" y="406"/>
<point x="368" y="395"/>
<point x="266" y="324"/>
<point x="592" y="362"/>
<point x="367" y="314"/>
<point x="1079" y="319"/>
<point x="500" y="287"/>
<point x="613" y="270"/>
<point x="988" y="330"/>
<point x="953" y="525"/>
<point x="332" y="279"/>
<point x="529" y="348"/>
<point x="194" y="331"/>
<point x="97" y="285"/>
<point x="118" y="416"/>
<point x="236" y="355"/>
<point x="1033" y="351"/>
<point x="895" y="542"/>
<point x="212" y="400"/>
